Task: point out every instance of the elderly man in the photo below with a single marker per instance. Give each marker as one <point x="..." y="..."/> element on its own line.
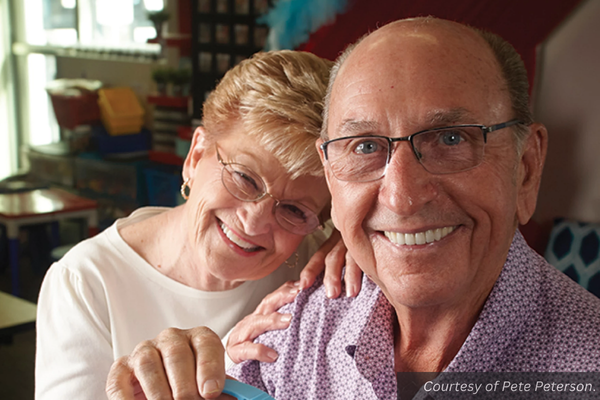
<point x="432" y="160"/>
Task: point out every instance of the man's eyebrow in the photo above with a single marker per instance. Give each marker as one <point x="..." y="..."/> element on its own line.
<point x="448" y="117"/>
<point x="351" y="127"/>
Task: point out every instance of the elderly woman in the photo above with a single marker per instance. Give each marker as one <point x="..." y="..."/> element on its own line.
<point x="254" y="189"/>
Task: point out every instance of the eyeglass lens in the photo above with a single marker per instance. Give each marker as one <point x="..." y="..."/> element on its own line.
<point x="440" y="151"/>
<point x="246" y="185"/>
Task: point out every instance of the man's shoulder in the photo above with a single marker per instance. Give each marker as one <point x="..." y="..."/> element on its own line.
<point x="549" y="290"/>
<point x="535" y="319"/>
<point x="561" y="330"/>
<point x="567" y="323"/>
<point x="574" y="308"/>
<point x="562" y="306"/>
<point x="316" y="352"/>
<point x="318" y="319"/>
<point x="313" y="311"/>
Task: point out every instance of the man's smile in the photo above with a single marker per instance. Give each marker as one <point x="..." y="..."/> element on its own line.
<point x="419" y="238"/>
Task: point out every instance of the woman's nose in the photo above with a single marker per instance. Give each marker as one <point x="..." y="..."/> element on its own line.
<point x="257" y="216"/>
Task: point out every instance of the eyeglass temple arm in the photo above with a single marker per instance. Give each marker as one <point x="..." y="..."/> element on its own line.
<point x="489" y="129"/>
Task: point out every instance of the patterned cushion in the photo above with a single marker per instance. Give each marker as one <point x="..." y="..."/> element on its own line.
<point x="574" y="248"/>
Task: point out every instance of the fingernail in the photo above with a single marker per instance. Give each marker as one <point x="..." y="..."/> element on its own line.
<point x="295" y="291"/>
<point x="330" y="293"/>
<point x="272" y="355"/>
<point x="286" y="318"/>
<point x="297" y="283"/>
<point x="210" y="387"/>
<point x="349" y="291"/>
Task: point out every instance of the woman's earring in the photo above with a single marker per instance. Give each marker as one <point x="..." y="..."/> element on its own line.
<point x="185" y="188"/>
<point x="295" y="262"/>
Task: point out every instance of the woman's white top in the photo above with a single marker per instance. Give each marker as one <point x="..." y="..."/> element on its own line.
<point x="102" y="299"/>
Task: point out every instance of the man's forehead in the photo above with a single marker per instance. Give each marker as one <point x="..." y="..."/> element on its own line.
<point x="423" y="31"/>
<point x="428" y="76"/>
<point x="419" y="39"/>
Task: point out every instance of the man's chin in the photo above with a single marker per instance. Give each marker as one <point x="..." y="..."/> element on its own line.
<point x="418" y="290"/>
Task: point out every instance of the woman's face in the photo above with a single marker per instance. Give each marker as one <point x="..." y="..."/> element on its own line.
<point x="233" y="240"/>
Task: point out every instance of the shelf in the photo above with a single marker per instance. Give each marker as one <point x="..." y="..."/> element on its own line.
<point x="183" y="42"/>
<point x="142" y="53"/>
<point x="169" y="101"/>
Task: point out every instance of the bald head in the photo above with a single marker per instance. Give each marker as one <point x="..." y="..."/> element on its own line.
<point x="438" y="45"/>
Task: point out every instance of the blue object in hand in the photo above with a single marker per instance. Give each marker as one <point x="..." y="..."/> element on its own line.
<point x="242" y="391"/>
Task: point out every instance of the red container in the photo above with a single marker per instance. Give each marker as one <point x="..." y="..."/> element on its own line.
<point x="72" y="111"/>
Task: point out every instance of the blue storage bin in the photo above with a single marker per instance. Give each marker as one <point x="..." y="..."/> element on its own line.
<point x="163" y="183"/>
<point x="119" y="181"/>
<point x="107" y="144"/>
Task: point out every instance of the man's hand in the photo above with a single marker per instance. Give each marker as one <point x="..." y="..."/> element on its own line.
<point x="332" y="256"/>
<point x="177" y="364"/>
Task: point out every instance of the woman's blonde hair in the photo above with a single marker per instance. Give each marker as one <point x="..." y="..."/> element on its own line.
<point x="278" y="98"/>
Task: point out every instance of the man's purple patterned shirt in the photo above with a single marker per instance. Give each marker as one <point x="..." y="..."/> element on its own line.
<point x="535" y="320"/>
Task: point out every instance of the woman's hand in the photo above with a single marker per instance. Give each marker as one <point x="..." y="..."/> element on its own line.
<point x="177" y="364"/>
<point x="240" y="346"/>
<point x="332" y="257"/>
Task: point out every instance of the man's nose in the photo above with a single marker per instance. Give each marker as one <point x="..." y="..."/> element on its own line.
<point x="406" y="186"/>
<point x="257" y="216"/>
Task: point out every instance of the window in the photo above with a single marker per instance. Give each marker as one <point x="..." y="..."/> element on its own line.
<point x="43" y="128"/>
<point x="95" y="23"/>
<point x="98" y="26"/>
<point x="8" y="137"/>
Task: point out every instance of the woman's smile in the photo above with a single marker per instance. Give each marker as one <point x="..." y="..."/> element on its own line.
<point x="234" y="241"/>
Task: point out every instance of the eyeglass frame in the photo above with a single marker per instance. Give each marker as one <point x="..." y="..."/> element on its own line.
<point x="224" y="166"/>
<point x="484" y="130"/>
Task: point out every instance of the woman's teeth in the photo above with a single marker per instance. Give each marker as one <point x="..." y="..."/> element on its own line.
<point x="249" y="247"/>
<point x="430" y="236"/>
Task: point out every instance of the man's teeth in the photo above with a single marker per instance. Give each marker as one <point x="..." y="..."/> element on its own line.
<point x="237" y="240"/>
<point x="430" y="236"/>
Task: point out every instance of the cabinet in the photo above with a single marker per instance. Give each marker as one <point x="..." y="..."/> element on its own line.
<point x="224" y="32"/>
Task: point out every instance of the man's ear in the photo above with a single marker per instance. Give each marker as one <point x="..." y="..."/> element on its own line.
<point x="200" y="145"/>
<point x="328" y="177"/>
<point x="331" y="210"/>
<point x="530" y="171"/>
<point x="318" y="144"/>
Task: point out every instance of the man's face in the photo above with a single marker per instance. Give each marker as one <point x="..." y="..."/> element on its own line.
<point x="395" y="85"/>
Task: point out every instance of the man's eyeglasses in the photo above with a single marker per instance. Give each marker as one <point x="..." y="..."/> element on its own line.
<point x="440" y="151"/>
<point x="246" y="185"/>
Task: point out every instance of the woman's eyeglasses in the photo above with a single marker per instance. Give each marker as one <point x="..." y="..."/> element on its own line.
<point x="246" y="185"/>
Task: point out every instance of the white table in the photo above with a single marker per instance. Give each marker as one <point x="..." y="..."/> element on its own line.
<point x="41" y="206"/>
<point x="16" y="315"/>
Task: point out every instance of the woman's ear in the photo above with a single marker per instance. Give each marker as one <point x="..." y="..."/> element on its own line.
<point x="200" y="144"/>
